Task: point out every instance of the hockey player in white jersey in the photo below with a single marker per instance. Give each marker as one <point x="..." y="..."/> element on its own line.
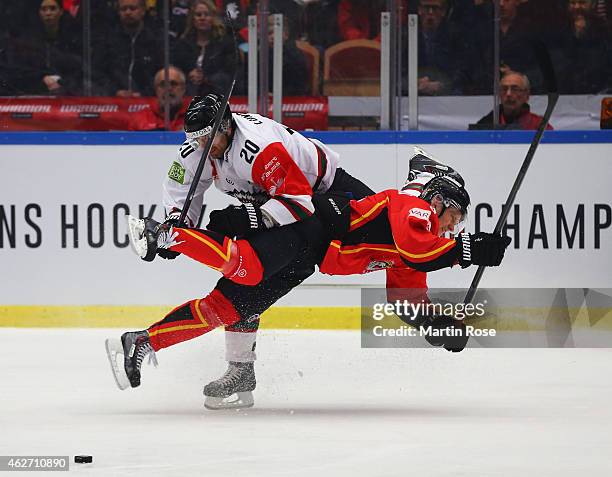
<point x="273" y="171"/>
<point x="254" y="159"/>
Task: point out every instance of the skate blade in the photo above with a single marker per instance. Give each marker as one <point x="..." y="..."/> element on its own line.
<point x="114" y="350"/>
<point x="137" y="240"/>
<point x="240" y="401"/>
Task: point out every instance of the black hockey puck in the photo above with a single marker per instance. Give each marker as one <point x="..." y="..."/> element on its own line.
<point x="83" y="459"/>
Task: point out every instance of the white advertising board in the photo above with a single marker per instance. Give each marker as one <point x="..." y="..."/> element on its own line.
<point x="63" y="237"/>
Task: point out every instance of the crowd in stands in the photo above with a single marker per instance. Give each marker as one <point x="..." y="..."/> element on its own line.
<point x="41" y="43"/>
<point x="514" y="109"/>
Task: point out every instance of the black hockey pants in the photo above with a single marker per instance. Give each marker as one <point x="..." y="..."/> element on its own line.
<point x="279" y="278"/>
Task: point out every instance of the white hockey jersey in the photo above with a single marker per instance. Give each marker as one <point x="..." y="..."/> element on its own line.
<point x="266" y="163"/>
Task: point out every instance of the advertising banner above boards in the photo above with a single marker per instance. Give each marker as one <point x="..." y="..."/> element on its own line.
<point x="116" y="114"/>
<point x="63" y="232"/>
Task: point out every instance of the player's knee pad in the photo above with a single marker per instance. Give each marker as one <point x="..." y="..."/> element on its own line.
<point x="244" y="266"/>
<point x="217" y="310"/>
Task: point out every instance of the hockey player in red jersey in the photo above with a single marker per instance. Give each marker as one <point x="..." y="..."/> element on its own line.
<point x="391" y="230"/>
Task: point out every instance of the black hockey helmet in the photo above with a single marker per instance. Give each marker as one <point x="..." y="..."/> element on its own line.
<point x="201" y="113"/>
<point x="451" y="191"/>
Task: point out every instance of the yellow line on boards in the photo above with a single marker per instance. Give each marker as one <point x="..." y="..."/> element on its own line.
<point x="111" y="316"/>
<point x="284" y="317"/>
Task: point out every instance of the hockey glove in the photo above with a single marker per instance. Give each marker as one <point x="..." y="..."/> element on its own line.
<point x="481" y="249"/>
<point x="455" y="335"/>
<point x="173" y="221"/>
<point x="453" y="338"/>
<point x="236" y="220"/>
<point x="334" y="211"/>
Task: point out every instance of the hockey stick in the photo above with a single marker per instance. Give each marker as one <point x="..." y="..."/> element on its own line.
<point x="548" y="72"/>
<point x="215" y="128"/>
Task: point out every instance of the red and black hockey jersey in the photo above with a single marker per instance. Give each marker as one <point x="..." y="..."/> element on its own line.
<point x="391" y="230"/>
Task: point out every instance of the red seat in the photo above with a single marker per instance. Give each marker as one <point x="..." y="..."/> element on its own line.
<point x="352" y="68"/>
<point x="313" y="60"/>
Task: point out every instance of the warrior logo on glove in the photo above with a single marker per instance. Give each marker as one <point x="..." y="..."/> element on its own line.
<point x="237" y="220"/>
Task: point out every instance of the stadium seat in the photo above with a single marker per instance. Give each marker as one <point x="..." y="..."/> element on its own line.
<point x="352" y="68"/>
<point x="313" y="60"/>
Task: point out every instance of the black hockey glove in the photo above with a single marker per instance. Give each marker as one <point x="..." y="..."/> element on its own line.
<point x="454" y="337"/>
<point x="237" y="220"/>
<point x="334" y="211"/>
<point x="173" y="221"/>
<point x="481" y="249"/>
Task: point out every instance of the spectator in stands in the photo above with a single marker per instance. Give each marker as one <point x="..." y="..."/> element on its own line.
<point x="439" y="49"/>
<point x="11" y="22"/>
<point x="47" y="57"/>
<point x="102" y="15"/>
<point x="205" y="51"/>
<point x="583" y="53"/>
<point x="152" y="119"/>
<point x="544" y="16"/>
<point x="321" y="23"/>
<point x="514" y="111"/>
<point x="179" y="10"/>
<point x="130" y="53"/>
<point x="295" y="72"/>
<point x="14" y="18"/>
<point x="359" y="19"/>
<point x="516" y="52"/>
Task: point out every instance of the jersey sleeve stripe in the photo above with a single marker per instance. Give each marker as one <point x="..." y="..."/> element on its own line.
<point x="297" y="210"/>
<point x="347" y="250"/>
<point x="369" y="212"/>
<point x="321" y="167"/>
<point x="430" y="253"/>
<point x="413" y="186"/>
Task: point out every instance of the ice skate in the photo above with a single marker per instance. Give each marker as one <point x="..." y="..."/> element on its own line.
<point x="238" y="381"/>
<point x="134" y="346"/>
<point x="148" y="235"/>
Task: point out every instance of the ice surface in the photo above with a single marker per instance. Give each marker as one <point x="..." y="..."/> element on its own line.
<point x="324" y="407"/>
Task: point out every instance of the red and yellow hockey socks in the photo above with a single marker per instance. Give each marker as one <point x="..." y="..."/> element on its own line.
<point x="235" y="259"/>
<point x="193" y="319"/>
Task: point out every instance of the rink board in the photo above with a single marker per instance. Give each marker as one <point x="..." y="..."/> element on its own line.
<point x="520" y="319"/>
<point x="63" y="236"/>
